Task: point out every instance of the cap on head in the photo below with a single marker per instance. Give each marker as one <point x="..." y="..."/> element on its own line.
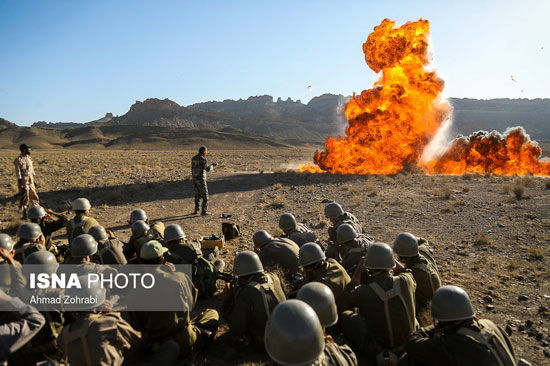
<point x="293" y="334"/>
<point x="320" y="297"/>
<point x="29" y="231"/>
<point x="173" y="232"/>
<point x="406" y="245"/>
<point x="6" y="242"/>
<point x="138" y="214"/>
<point x="333" y="210"/>
<point x="81" y="204"/>
<point x="24" y="147"/>
<point x="345" y="233"/>
<point x="36" y="212"/>
<point x="139" y="228"/>
<point x="379" y="256"/>
<point x="247" y="263"/>
<point x="310" y="253"/>
<point x="287" y="221"/>
<point x="152" y="250"/>
<point x="98" y="232"/>
<point x="83" y="246"/>
<point x="451" y="303"/>
<point x="261" y="238"/>
<point x="89" y="290"/>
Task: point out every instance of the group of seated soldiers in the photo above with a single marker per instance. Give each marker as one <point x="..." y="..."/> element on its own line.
<point x="347" y="301"/>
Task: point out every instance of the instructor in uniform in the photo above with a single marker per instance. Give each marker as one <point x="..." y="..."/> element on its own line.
<point x="26" y="181"/>
<point x="199" y="167"/>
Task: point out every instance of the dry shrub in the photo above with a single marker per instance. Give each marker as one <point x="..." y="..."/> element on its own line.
<point x="482" y="239"/>
<point x="467" y="176"/>
<point x="506" y="189"/>
<point x="371" y="189"/>
<point x="277" y="186"/>
<point x="465" y="189"/>
<point x="547" y="185"/>
<point x="519" y="189"/>
<point x="536" y="253"/>
<point x="444" y="193"/>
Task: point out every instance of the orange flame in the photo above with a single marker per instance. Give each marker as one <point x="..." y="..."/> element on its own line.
<point x="391" y="124"/>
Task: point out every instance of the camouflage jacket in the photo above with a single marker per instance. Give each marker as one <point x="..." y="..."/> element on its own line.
<point x="301" y="235"/>
<point x="199" y="167"/>
<point x="24" y="169"/>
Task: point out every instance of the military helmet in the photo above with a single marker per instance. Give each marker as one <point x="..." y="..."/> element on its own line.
<point x="153" y="249"/>
<point x="36" y="212"/>
<point x="450" y="303"/>
<point x="202" y="149"/>
<point x="287" y="221"/>
<point x="44" y="258"/>
<point x="310" y="253"/>
<point x="83" y="245"/>
<point x="320" y="297"/>
<point x="333" y="210"/>
<point x="345" y="233"/>
<point x="173" y="232"/>
<point x="139" y="228"/>
<point x="137" y="214"/>
<point x="98" y="232"/>
<point x="88" y="290"/>
<point x="29" y="231"/>
<point x="81" y="204"/>
<point x="293" y="334"/>
<point x="261" y="238"/>
<point x="379" y="256"/>
<point x="406" y="245"/>
<point x="6" y="242"/>
<point x="247" y="263"/>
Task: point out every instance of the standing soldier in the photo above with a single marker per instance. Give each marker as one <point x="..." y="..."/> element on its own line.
<point x="26" y="181"/>
<point x="297" y="232"/>
<point x="199" y="167"/>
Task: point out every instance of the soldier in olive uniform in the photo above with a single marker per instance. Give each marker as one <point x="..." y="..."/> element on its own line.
<point x="49" y="224"/>
<point x="250" y="301"/>
<point x="199" y="168"/>
<point x="351" y="246"/>
<point x="26" y="181"/>
<point x="81" y="222"/>
<point x="277" y="252"/>
<point x="141" y="234"/>
<point x="110" y="250"/>
<point x="156" y="229"/>
<point x="458" y="337"/>
<point x="386" y="314"/>
<point x="294" y="336"/>
<point x="297" y="232"/>
<point x="337" y="216"/>
<point x="11" y="277"/>
<point x="318" y="268"/>
<point x="30" y="241"/>
<point x="422" y="265"/>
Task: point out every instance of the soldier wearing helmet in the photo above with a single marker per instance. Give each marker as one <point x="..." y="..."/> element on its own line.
<point x="422" y="265"/>
<point x="337" y="216"/>
<point x="155" y="231"/>
<point x="351" y="246"/>
<point x="276" y="252"/>
<point x="81" y="222"/>
<point x="297" y="232"/>
<point x="199" y="168"/>
<point x="250" y="301"/>
<point x="26" y="180"/>
<point x="49" y="222"/>
<point x="141" y="234"/>
<point x="11" y="277"/>
<point x="318" y="268"/>
<point x="294" y="336"/>
<point x="30" y="240"/>
<point x="386" y="306"/>
<point x="110" y="250"/>
<point x="457" y="336"/>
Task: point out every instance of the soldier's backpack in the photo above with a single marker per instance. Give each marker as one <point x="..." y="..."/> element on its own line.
<point x="230" y="231"/>
<point x="204" y="276"/>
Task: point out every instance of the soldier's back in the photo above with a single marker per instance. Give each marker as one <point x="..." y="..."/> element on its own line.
<point x="336" y="278"/>
<point x="426" y="277"/>
<point x="337" y="355"/>
<point x="302" y="234"/>
<point x="110" y="251"/>
<point x="282" y="252"/>
<point x="24" y="249"/>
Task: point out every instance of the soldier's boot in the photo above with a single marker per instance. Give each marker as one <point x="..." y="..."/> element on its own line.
<point x="205" y="207"/>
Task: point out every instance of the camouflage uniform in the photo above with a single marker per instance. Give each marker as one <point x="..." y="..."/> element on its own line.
<point x="301" y="235"/>
<point x="469" y="342"/>
<point x="24" y="172"/>
<point x="346" y="218"/>
<point x="280" y="252"/>
<point x="352" y="251"/>
<point x="110" y="251"/>
<point x="80" y="224"/>
<point x="374" y="329"/>
<point x="247" y="312"/>
<point x="24" y="248"/>
<point x="336" y="355"/>
<point x="199" y="167"/>
<point x="332" y="274"/>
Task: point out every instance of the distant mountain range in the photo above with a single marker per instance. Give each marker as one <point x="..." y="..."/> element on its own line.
<point x="259" y="119"/>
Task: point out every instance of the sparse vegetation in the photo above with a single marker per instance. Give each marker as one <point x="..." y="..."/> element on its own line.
<point x="519" y="189"/>
<point x="482" y="239"/>
<point x="536" y="253"/>
<point x="443" y="192"/>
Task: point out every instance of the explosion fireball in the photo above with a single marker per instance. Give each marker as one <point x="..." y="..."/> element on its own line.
<point x="391" y="124"/>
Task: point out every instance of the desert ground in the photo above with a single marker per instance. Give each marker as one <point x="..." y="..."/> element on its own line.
<point x="491" y="234"/>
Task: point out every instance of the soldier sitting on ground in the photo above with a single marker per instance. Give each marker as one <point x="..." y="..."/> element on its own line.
<point x="321" y="300"/>
<point x="276" y="252"/>
<point x="386" y="315"/>
<point x="156" y="229"/>
<point x="423" y="267"/>
<point x="30" y="241"/>
<point x="251" y="299"/>
<point x="110" y="250"/>
<point x="140" y="235"/>
<point x="294" y="336"/>
<point x="297" y="232"/>
<point x="11" y="277"/>
<point x="337" y="216"/>
<point x="318" y="268"/>
<point x="49" y="224"/>
<point x="351" y="246"/>
<point x="458" y="337"/>
<point x="180" y="251"/>
<point x="81" y="222"/>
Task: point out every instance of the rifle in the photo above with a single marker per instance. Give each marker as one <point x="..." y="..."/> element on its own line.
<point x="227" y="277"/>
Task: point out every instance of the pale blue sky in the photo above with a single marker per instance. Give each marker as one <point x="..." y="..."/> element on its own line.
<point x="77" y="60"/>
